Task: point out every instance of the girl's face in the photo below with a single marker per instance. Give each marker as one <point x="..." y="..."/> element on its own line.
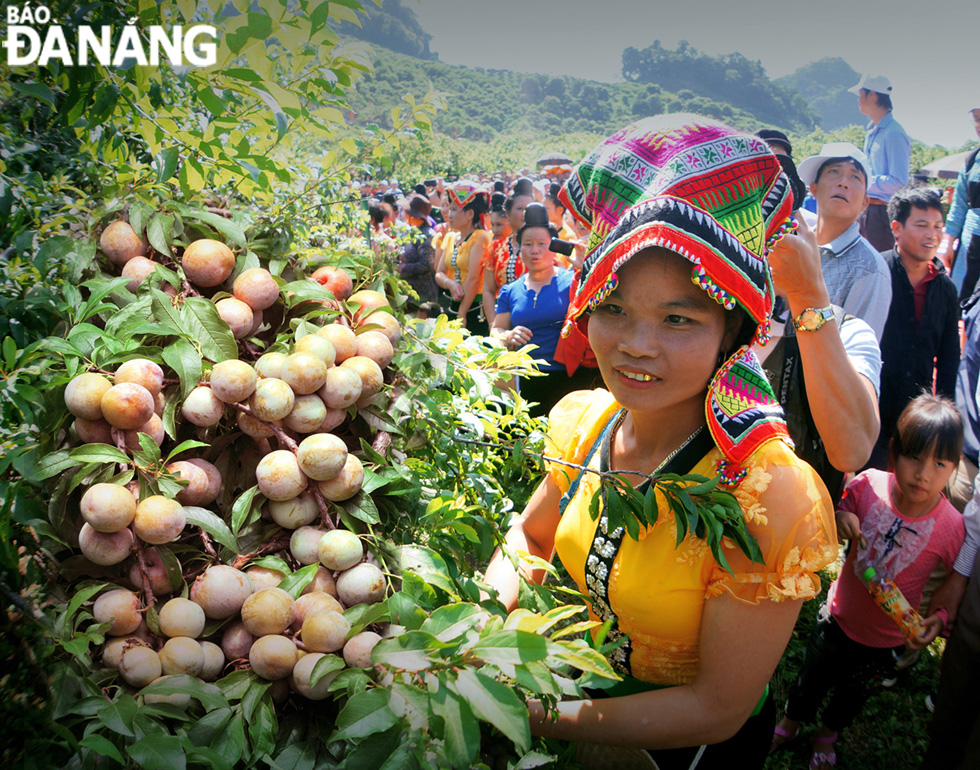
<point x="921" y="479"/>
<point x="555" y="213"/>
<point x="657" y="336"/>
<point x="516" y="214"/>
<point x="499" y="225"/>
<point x="535" y="251"/>
<point x="461" y="219"/>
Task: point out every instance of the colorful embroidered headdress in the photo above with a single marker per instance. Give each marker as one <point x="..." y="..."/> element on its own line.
<point x="463" y="193"/>
<point x="714" y="196"/>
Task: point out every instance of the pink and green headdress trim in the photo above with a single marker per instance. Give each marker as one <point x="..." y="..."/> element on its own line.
<point x="464" y="192"/>
<point x="718" y="198"/>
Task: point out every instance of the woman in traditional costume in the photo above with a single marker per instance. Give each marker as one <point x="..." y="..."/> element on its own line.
<point x="674" y="289"/>
<point x="504" y="263"/>
<point x="463" y="246"/>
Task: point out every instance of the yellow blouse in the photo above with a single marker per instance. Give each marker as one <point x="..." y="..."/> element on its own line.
<point x="461" y="268"/>
<point x="658" y="591"/>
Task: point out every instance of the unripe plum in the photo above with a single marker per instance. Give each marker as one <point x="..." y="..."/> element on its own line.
<point x="233" y="381"/>
<point x="182" y="655"/>
<point x="214" y="479"/>
<point x="93" y="431"/>
<point x="264" y="577"/>
<point x="254" y="427"/>
<point x="236" y="314"/>
<point x="270" y="365"/>
<point x="105" y="548"/>
<point x="295" y="512"/>
<point x="309" y="604"/>
<point x="376" y="346"/>
<point x="137" y="270"/>
<point x="315" y="345"/>
<point x="152" y="428"/>
<point x="357" y="651"/>
<point x="325" y="631"/>
<point x="307" y="415"/>
<point x="390" y="327"/>
<point x="128" y="405"/>
<point x="363" y="584"/>
<point x="321" y="456"/>
<point x="84" y="393"/>
<point x="335" y="279"/>
<point x="159" y="520"/>
<point x="207" y="262"/>
<point x="342" y="388"/>
<point x="322" y="582"/>
<point x="303" y="673"/>
<point x="279" y="475"/>
<point x="120" y="243"/>
<point x="272" y="400"/>
<point x="196" y="490"/>
<point x="113" y="650"/>
<point x="156" y="571"/>
<point x="304" y="373"/>
<point x="108" y="507"/>
<point x="140" y="371"/>
<point x="345" y="484"/>
<point x="340" y="549"/>
<point x="304" y="544"/>
<point x="343" y="339"/>
<point x="159" y="403"/>
<point x="273" y="657"/>
<point x="214" y="661"/>
<point x="221" y="591"/>
<point x="369" y="300"/>
<point x="182" y="617"/>
<point x="236" y="641"/>
<point x="372" y="378"/>
<point x="333" y="419"/>
<point x="257" y="288"/>
<point x="269" y="611"/>
<point x="179" y="699"/>
<point x="202" y="407"/>
<point x="139" y="666"/>
<point x="120" y="609"/>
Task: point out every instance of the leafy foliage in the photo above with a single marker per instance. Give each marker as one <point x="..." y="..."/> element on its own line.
<point x="392" y="25"/>
<point x="824" y="85"/>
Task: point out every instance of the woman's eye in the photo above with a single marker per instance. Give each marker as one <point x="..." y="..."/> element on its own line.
<point x="610" y="309"/>
<point x="676" y="320"/>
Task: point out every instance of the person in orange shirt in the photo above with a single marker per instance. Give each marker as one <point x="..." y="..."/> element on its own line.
<point x="671" y="303"/>
<point x="460" y="272"/>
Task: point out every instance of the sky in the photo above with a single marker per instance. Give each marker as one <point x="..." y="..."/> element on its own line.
<point x="927" y="49"/>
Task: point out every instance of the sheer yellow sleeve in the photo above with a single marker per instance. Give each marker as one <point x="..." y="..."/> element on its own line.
<point x="788" y="510"/>
<point x="573" y="425"/>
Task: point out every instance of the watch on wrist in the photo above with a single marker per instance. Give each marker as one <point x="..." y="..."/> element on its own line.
<point x="812" y="318"/>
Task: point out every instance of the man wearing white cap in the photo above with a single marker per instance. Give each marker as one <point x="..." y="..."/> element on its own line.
<point x="856" y="275"/>
<point x="888" y="149"/>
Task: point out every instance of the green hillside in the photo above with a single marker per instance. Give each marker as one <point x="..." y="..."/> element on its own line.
<point x="824" y="85"/>
<point x="485" y="104"/>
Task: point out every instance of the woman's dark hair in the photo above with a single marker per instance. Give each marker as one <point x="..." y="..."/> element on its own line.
<point x="509" y="203"/>
<point x="497" y="203"/>
<point x="554" y="200"/>
<point x="477" y="207"/>
<point x="375" y="211"/>
<point x="929" y="424"/>
<point x="549" y="227"/>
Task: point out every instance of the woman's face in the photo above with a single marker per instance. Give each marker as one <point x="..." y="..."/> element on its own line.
<point x="657" y="336"/>
<point x="555" y="213"/>
<point x="535" y="252"/>
<point x="516" y="214"/>
<point x="499" y="225"/>
<point x="461" y="218"/>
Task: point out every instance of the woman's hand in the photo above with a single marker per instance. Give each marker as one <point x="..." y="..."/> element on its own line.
<point x="518" y="337"/>
<point x="931" y="628"/>
<point x="455" y="289"/>
<point x="848" y="526"/>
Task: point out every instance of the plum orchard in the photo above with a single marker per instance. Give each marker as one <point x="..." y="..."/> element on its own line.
<point x="249" y="455"/>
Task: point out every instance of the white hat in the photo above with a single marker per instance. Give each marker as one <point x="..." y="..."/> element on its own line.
<point x="877" y="83"/>
<point x="810" y="166"/>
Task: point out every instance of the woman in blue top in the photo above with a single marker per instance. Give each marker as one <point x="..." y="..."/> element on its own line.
<point x="963" y="222"/>
<point x="531" y="310"/>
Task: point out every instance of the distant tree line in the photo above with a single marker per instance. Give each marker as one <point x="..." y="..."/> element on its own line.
<point x="732" y="78"/>
<point x="393" y="26"/>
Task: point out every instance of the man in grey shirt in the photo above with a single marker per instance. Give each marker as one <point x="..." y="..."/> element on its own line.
<point x="856" y="275"/>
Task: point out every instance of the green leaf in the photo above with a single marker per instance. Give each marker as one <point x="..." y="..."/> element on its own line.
<point x="409" y="651"/>
<point x="118" y="715"/>
<point x="242" y="507"/>
<point x="223" y="225"/>
<point x="158" y="752"/>
<point x="38" y="90"/>
<point x="461" y="731"/>
<point x="497" y="704"/>
<point x="160" y="233"/>
<point x="139" y="214"/>
<point x="511" y="647"/>
<point x="365" y="714"/>
<point x="98" y="453"/>
<point x="262" y="727"/>
<point x="182" y="357"/>
<point x="184" y="446"/>
<point x="300" y="579"/>
<point x="326" y="665"/>
<point x="282" y="120"/>
<point x="102" y="745"/>
<point x="200" y="319"/>
<point x="165" y="163"/>
<point x="362" y="615"/>
<point x="375" y="752"/>
<point x="212" y="524"/>
<point x="449" y="622"/>
<point x="362" y="507"/>
<point x="208" y="694"/>
<point x="55" y="463"/>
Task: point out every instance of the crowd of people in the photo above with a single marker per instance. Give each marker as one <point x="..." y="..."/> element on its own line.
<point x="699" y="303"/>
